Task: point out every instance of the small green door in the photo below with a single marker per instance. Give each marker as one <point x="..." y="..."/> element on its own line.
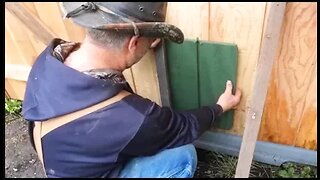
<point x="197" y="73"/>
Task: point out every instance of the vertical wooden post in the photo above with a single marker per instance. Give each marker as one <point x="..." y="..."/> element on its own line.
<point x="273" y="22"/>
<point x="161" y="64"/>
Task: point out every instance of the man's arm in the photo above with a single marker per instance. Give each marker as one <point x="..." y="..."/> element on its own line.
<point x="164" y="128"/>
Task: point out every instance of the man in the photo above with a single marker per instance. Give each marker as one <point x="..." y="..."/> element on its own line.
<point x="129" y="136"/>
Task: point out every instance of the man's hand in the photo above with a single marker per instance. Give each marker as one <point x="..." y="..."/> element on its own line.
<point x="227" y="100"/>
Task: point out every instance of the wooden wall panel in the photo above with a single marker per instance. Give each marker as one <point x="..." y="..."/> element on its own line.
<point x="19" y="40"/>
<point x="49" y="13"/>
<point x="290" y="115"/>
<point x="191" y="17"/>
<point x="146" y="79"/>
<point x="290" y="110"/>
<point x="51" y="16"/>
<point x="16" y="89"/>
<point x="239" y="23"/>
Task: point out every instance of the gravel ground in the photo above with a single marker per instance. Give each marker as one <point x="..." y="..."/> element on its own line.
<point x="21" y="160"/>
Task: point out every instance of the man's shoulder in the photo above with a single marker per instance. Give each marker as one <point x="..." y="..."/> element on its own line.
<point x="139" y="103"/>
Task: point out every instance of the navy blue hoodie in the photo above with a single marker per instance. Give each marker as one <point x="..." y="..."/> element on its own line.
<point x="100" y="143"/>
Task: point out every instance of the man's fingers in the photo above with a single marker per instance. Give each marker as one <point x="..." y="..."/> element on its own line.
<point x="228" y="87"/>
<point x="238" y="94"/>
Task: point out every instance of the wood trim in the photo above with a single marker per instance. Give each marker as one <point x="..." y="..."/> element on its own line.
<point x="265" y="152"/>
<point x="36" y="26"/>
<point x="17" y="72"/>
<point x="161" y="64"/>
<point x="270" y="38"/>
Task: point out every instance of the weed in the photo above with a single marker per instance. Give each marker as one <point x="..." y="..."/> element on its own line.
<point x="217" y="165"/>
<point x="13" y="106"/>
<point x="290" y="170"/>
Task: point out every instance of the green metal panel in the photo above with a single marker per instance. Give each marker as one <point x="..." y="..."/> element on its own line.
<point x="183" y="74"/>
<point x="198" y="72"/>
<point x="217" y="64"/>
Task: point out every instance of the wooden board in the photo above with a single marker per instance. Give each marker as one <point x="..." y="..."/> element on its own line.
<point x="238" y="23"/>
<point x="290" y="113"/>
<point x="272" y="29"/>
<point x="191" y="17"/>
<point x="16" y="89"/>
<point x="53" y="21"/>
<point x="19" y="39"/>
<point x="145" y="78"/>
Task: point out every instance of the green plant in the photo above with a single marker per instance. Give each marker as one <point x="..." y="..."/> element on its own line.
<point x="290" y="170"/>
<point x="262" y="170"/>
<point x="13" y="106"/>
<point x="225" y="165"/>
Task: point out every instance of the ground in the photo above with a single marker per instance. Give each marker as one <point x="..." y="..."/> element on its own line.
<point x="20" y="158"/>
<point x="22" y="161"/>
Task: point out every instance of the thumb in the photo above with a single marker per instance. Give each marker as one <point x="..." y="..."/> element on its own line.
<point x="228" y="87"/>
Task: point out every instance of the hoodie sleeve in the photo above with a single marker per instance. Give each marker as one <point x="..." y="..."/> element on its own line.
<point x="165" y="128"/>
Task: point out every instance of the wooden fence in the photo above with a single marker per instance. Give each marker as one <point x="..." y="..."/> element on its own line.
<point x="290" y="112"/>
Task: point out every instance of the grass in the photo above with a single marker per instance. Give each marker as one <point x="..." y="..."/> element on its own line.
<point x="13" y="106"/>
<point x="13" y="109"/>
<point x="217" y="165"/>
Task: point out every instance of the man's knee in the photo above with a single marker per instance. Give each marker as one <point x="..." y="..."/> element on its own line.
<point x="188" y="155"/>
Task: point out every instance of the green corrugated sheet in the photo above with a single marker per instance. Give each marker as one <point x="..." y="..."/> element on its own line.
<point x="197" y="73"/>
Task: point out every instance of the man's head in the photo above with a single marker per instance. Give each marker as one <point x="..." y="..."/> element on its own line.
<point x="129" y="27"/>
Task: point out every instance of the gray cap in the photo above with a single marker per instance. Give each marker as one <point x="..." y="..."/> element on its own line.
<point x="139" y="18"/>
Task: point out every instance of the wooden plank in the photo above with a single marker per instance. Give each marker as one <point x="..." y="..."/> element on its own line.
<point x="31" y="22"/>
<point x="239" y="23"/>
<point x="191" y="17"/>
<point x="11" y="55"/>
<point x="291" y="109"/>
<point x="271" y="34"/>
<point x="21" y="42"/>
<point x="17" y="72"/>
<point x="162" y="71"/>
<point x="242" y="24"/>
<point x="16" y="89"/>
<point x="38" y="45"/>
<point x="49" y="13"/>
<point x="145" y="78"/>
<point x="129" y="77"/>
<point x="75" y="33"/>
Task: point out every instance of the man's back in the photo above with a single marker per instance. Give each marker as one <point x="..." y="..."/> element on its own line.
<point x="100" y="143"/>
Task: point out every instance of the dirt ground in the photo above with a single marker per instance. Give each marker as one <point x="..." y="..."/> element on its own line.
<point x="21" y="160"/>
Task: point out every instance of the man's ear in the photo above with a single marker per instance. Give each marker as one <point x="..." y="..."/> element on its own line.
<point x="133" y="44"/>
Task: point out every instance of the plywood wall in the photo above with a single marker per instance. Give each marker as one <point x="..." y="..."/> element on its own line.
<point x="238" y="23"/>
<point x="290" y="113"/>
<point x="23" y="45"/>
